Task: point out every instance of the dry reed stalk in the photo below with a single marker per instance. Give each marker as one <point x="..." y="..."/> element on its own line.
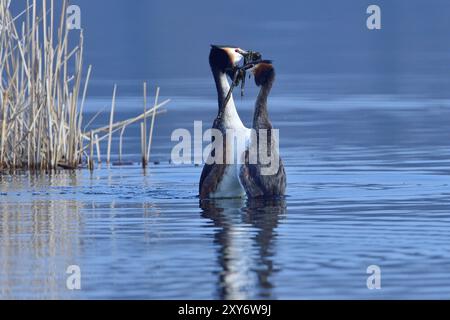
<point x="152" y="125"/>
<point x="91" y="153"/>
<point x="121" y="143"/>
<point x="144" y="128"/>
<point x="119" y="126"/>
<point x="131" y="121"/>
<point x="111" y="123"/>
<point x="143" y="133"/>
<point x="97" y="144"/>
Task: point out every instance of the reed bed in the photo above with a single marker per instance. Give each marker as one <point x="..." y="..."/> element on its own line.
<point x="43" y="91"/>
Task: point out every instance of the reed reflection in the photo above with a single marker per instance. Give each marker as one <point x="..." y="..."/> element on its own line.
<point x="38" y="241"/>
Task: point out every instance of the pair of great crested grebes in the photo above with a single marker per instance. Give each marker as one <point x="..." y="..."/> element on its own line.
<point x="222" y="180"/>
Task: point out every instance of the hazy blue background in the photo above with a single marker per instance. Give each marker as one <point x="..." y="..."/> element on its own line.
<point x="166" y="39"/>
<point x="139" y="39"/>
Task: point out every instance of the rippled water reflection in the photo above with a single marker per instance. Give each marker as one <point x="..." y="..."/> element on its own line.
<point x="366" y="186"/>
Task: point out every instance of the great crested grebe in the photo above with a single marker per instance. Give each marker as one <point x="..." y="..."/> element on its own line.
<point x="257" y="181"/>
<point x="222" y="180"/>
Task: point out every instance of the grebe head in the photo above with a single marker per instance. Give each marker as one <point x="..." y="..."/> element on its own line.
<point x="226" y="58"/>
<point x="264" y="72"/>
